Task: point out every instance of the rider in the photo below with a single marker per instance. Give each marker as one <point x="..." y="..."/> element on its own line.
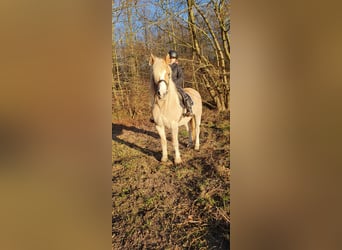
<point x="177" y="78"/>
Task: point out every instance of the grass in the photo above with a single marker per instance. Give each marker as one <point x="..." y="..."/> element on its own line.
<point x="162" y="206"/>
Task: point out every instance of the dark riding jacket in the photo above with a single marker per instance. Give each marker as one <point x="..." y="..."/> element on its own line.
<point x="177" y="78"/>
<point x="177" y="75"/>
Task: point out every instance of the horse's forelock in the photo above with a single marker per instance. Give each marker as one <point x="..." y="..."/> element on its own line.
<point x="159" y="67"/>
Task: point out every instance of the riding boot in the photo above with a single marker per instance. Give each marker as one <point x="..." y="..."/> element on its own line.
<point x="188" y="105"/>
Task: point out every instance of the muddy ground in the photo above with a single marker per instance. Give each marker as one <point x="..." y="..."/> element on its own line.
<point x="162" y="206"/>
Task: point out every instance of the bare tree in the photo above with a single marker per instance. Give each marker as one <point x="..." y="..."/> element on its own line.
<point x="197" y="29"/>
<point x="214" y="72"/>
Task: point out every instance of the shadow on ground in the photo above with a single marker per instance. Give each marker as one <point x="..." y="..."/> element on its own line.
<point x="117" y="129"/>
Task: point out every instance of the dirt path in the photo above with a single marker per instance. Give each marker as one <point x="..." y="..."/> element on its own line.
<point x="161" y="206"/>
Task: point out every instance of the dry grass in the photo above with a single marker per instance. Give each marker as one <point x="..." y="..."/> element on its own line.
<point x="162" y="206"/>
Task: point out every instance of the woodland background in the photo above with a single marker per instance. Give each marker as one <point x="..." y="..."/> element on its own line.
<point x="198" y="30"/>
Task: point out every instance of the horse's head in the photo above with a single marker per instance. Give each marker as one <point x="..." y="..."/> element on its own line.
<point x="161" y="75"/>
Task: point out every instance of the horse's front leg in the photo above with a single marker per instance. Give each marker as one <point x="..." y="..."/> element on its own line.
<point x="161" y="131"/>
<point x="175" y="143"/>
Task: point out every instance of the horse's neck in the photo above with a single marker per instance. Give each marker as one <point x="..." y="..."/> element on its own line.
<point x="173" y="96"/>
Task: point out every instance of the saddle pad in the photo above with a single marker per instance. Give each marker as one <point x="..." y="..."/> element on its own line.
<point x="182" y="101"/>
<point x="189" y="97"/>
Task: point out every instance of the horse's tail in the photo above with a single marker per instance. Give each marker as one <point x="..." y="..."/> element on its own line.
<point x="193" y="128"/>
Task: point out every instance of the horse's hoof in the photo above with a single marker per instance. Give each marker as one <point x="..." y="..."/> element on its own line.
<point x="197" y="148"/>
<point x="178" y="161"/>
<point x="164" y="159"/>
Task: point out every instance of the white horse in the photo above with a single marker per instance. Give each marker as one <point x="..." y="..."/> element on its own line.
<point x="167" y="110"/>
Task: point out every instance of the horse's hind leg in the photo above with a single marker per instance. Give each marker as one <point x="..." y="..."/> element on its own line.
<point x="189" y="129"/>
<point x="161" y="131"/>
<point x="197" y="131"/>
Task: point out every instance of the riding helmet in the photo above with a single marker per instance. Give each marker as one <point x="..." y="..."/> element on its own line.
<point x="173" y="54"/>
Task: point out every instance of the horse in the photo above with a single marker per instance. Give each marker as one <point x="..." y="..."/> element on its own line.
<point x="167" y="110"/>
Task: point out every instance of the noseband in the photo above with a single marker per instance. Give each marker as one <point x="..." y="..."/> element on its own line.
<point x="158" y="83"/>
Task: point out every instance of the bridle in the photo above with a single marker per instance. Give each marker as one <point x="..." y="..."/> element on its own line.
<point x="162" y="80"/>
<point x="156" y="86"/>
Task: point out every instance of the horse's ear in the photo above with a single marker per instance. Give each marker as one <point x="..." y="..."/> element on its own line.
<point x="152" y="59"/>
<point x="167" y="59"/>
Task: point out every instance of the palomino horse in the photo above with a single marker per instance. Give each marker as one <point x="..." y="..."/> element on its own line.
<point x="167" y="110"/>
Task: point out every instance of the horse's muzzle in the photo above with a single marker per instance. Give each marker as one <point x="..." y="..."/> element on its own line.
<point x="160" y="96"/>
<point x="161" y="90"/>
